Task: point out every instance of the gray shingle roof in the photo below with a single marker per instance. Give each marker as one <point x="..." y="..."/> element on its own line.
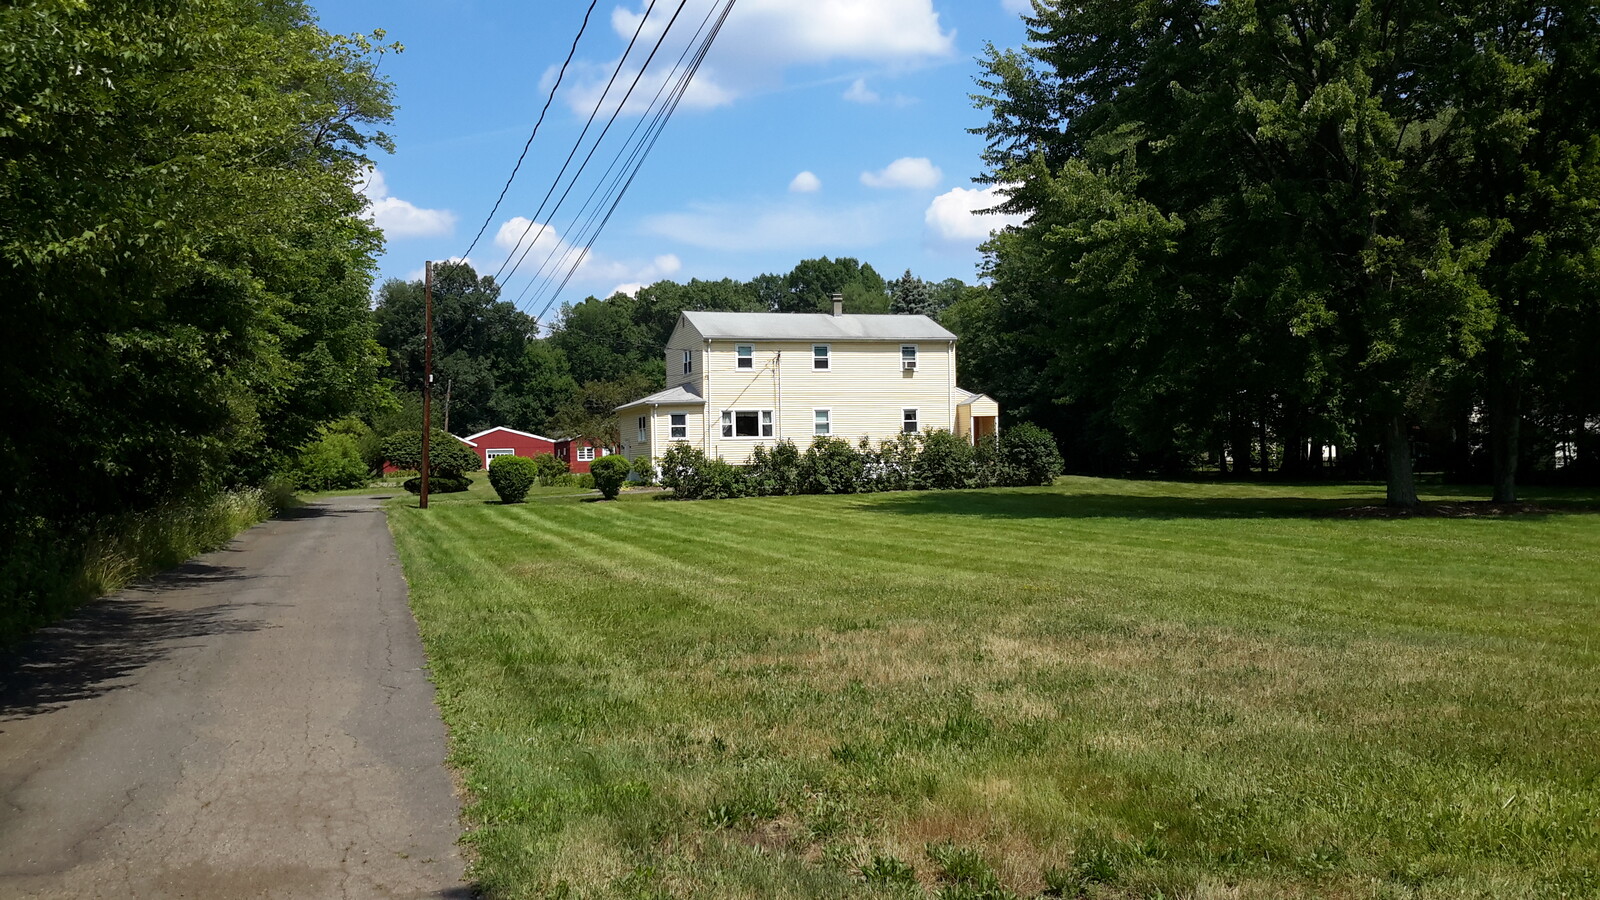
<point x="814" y="327"/>
<point x="680" y="394"/>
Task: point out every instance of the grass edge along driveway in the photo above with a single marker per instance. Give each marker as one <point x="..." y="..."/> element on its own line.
<point x="1102" y="689"/>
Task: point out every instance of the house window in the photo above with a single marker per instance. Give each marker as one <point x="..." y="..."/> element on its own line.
<point x="908" y="356"/>
<point x="644" y="429"/>
<point x="819" y="357"/>
<point x="821" y="422"/>
<point x="688" y="361"/>
<point x="741" y="423"/>
<point x="747" y="356"/>
<point x="585" y="454"/>
<point x="908" y="421"/>
<point x="680" y="426"/>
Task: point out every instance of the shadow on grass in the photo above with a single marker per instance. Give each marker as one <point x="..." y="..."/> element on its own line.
<point x="1032" y="505"/>
<point x="89" y="653"/>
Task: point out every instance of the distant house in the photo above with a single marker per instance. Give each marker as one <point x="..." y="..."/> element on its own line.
<point x="502" y="441"/>
<point x="739" y="380"/>
<point x="577" y="453"/>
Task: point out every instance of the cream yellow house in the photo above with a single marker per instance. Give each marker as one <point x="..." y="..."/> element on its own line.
<point x="739" y="380"/>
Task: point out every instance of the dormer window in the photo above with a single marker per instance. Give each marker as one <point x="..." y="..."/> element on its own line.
<point x="746" y="354"/>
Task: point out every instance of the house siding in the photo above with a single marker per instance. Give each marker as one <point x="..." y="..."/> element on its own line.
<point x="865" y="390"/>
<point x="685" y="337"/>
<point x="518" y="444"/>
<point x="659" y="429"/>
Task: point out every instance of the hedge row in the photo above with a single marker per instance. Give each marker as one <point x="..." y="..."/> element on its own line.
<point x="931" y="460"/>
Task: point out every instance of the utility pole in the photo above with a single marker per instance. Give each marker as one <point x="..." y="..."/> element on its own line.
<point x="427" y="374"/>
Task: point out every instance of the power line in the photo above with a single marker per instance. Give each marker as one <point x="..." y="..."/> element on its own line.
<point x="676" y="99"/>
<point x="689" y="47"/>
<point x="621" y="104"/>
<point x="579" y="143"/>
<point x="548" y="100"/>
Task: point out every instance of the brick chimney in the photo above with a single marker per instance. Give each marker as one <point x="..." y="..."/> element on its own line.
<point x="838" y="304"/>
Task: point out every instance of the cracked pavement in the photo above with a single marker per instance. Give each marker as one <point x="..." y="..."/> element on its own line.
<point x="255" y="723"/>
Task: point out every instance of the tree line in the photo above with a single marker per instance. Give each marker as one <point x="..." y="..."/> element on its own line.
<point x="1255" y="231"/>
<point x="185" y="262"/>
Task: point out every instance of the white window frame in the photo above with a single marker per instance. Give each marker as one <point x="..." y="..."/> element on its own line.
<point x="688" y="362"/>
<point x="489" y="456"/>
<point x="644" y="429"/>
<point x="585" y="454"/>
<point x="741" y="360"/>
<point x="908" y="359"/>
<point x="823" y="427"/>
<point x="676" y="431"/>
<point x="826" y="358"/>
<point x="914" y="420"/>
<point x="765" y="427"/>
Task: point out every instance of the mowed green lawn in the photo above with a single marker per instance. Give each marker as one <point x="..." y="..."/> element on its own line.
<point x="1103" y="689"/>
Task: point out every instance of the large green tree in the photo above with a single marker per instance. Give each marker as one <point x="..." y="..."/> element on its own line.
<point x="182" y="250"/>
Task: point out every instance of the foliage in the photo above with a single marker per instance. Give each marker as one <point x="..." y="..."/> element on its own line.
<point x="910" y="295"/>
<point x="610" y="473"/>
<point x="439" y="484"/>
<point x="590" y="412"/>
<point x="448" y="456"/>
<point x="831" y="466"/>
<point x="943" y="462"/>
<point x="643" y="471"/>
<point x="774" y="472"/>
<point x="512" y="477"/>
<point x="183" y="243"/>
<point x="1029" y="455"/>
<point x="548" y="468"/>
<point x="330" y="463"/>
<point x="851" y="673"/>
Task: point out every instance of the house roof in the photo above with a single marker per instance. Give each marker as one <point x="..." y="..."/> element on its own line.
<point x="814" y="327"/>
<point x="473" y="437"/>
<point x="965" y="396"/>
<point x="680" y="394"/>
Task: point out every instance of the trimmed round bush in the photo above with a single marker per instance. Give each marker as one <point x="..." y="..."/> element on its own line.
<point x="610" y="473"/>
<point x="512" y="477"/>
<point x="439" y="484"/>
<point x="1030" y="454"/>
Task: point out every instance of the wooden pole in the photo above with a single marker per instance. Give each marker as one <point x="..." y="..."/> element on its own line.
<point x="427" y="375"/>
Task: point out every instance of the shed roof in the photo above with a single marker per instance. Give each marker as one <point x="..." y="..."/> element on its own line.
<point x="680" y="394"/>
<point x="815" y="327"/>
<point x="471" y="438"/>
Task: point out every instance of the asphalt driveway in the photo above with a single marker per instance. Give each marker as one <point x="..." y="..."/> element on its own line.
<point x="256" y="723"/>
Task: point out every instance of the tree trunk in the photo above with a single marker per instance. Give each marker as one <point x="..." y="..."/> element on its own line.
<point x="1504" y="400"/>
<point x="1402" y="487"/>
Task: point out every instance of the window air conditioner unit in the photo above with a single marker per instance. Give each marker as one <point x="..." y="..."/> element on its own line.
<point x="910" y="365"/>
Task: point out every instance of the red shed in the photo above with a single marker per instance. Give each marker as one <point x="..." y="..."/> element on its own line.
<point x="577" y="453"/>
<point x="502" y="441"/>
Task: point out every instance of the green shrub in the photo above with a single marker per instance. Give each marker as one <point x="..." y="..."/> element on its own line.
<point x="1030" y="455"/>
<point x="644" y="471"/>
<point x="610" y="472"/>
<point x="439" y="484"/>
<point x="449" y="456"/>
<point x="548" y="469"/>
<point x="945" y="462"/>
<point x="988" y="466"/>
<point x="774" y="472"/>
<point x="723" y="481"/>
<point x="683" y="471"/>
<point x="830" y="466"/>
<point x="511" y="477"/>
<point x="330" y="463"/>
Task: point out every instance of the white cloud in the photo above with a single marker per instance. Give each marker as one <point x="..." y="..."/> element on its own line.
<point x="399" y="218"/>
<point x="805" y="183"/>
<point x="906" y="172"/>
<point x="791" y="228"/>
<point x="858" y="92"/>
<point x="549" y="253"/>
<point x="1018" y="7"/>
<point x="953" y="215"/>
<point x="761" y="38"/>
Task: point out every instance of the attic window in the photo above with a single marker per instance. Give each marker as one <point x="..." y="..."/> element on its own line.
<point x="688" y="362"/>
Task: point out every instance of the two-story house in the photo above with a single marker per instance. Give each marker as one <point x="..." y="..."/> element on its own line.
<point x="738" y="380"/>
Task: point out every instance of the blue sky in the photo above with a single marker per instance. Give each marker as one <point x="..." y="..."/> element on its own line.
<point x="815" y="127"/>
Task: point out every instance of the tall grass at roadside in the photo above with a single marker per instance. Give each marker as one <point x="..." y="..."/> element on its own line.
<point x="132" y="547"/>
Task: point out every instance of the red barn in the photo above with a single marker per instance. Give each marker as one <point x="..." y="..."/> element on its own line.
<point x="577" y="453"/>
<point x="502" y="441"/>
